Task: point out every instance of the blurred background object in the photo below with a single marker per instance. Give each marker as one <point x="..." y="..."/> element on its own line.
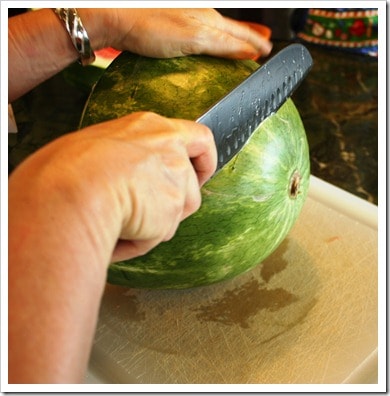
<point x="349" y="29"/>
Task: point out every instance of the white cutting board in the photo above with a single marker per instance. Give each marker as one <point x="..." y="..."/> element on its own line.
<point x="308" y="314"/>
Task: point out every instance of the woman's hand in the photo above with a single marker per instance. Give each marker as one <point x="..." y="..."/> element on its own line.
<point x="142" y="172"/>
<point x="113" y="190"/>
<point x="156" y="167"/>
<point x="171" y="32"/>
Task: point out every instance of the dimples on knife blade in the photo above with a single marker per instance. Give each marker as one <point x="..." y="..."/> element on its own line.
<point x="236" y="116"/>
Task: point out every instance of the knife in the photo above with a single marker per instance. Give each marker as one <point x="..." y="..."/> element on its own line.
<point x="238" y="114"/>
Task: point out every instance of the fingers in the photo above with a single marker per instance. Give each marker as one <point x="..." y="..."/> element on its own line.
<point x="130" y="249"/>
<point x="178" y="157"/>
<point x="225" y="37"/>
<point x="197" y="139"/>
<point x="247" y="45"/>
<point x="201" y="149"/>
<point x="242" y="32"/>
<point x="185" y="32"/>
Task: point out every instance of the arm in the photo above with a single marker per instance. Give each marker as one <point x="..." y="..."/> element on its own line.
<point x="42" y="49"/>
<point x="111" y="190"/>
<point x="39" y="47"/>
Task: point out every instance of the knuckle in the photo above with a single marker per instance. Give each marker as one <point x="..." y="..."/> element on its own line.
<point x="192" y="204"/>
<point x="196" y="40"/>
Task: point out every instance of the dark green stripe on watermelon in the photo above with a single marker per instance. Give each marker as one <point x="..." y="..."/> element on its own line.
<point x="247" y="209"/>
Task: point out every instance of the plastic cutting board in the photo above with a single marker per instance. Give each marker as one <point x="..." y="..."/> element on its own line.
<point x="308" y="314"/>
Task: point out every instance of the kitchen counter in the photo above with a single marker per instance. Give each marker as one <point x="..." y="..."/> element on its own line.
<point x="338" y="103"/>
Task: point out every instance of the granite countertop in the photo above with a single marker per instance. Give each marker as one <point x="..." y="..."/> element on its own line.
<point x="338" y="103"/>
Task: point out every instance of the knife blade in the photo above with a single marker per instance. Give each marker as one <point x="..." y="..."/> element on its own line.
<point x="237" y="115"/>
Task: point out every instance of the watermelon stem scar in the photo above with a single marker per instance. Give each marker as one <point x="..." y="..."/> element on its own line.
<point x="295" y="183"/>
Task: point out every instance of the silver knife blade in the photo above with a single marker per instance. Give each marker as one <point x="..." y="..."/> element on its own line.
<point x="238" y="114"/>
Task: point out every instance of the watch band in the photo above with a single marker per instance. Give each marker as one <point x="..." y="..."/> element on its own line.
<point x="77" y="33"/>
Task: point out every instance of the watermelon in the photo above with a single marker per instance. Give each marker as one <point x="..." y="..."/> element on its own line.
<point x="248" y="207"/>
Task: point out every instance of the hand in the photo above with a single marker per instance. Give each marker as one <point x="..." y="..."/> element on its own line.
<point x="161" y="165"/>
<point x="132" y="179"/>
<point x="174" y="32"/>
<point x="141" y="173"/>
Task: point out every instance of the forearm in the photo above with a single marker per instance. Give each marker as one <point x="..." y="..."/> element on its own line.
<point x="39" y="46"/>
<point x="57" y="271"/>
<point x="132" y="179"/>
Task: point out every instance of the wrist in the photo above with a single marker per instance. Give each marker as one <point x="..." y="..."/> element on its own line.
<point x="99" y="24"/>
<point x="78" y="35"/>
<point x="57" y="263"/>
<point x="69" y="210"/>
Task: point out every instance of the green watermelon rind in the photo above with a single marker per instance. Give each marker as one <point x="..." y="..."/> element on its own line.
<point x="135" y="83"/>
